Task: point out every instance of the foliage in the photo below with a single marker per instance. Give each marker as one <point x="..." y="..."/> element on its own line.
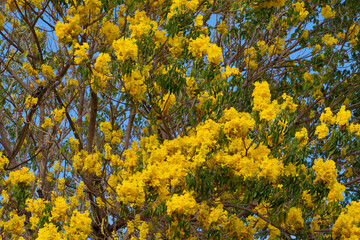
<point x="182" y="119"/>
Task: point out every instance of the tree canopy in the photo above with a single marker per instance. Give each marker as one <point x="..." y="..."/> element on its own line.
<point x="179" y="119"/>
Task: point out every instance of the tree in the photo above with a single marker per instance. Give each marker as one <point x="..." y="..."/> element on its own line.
<point x="179" y="119"/>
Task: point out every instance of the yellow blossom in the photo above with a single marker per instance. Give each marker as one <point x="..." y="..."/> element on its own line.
<point x="199" y="21"/>
<point x="125" y="49"/>
<point x="111" y="31"/>
<point x="327" y="12"/>
<point x="59" y="210"/>
<point x="300" y="8"/>
<point x="325" y="171"/>
<point x="59" y="114"/>
<point x="327" y="116"/>
<point x="30" y="101"/>
<point x="182" y="204"/>
<point x="15" y="225"/>
<point x="302" y="136"/>
<point x="308" y="77"/>
<point x="47" y="123"/>
<point x="3" y="162"/>
<point x="49" y="231"/>
<point x="343" y="116"/>
<point x="48" y="71"/>
<point x="80" y="225"/>
<point x="322" y="130"/>
<point x="328" y="40"/>
<point x="80" y="52"/>
<point x="294" y="218"/>
<point x="20" y="177"/>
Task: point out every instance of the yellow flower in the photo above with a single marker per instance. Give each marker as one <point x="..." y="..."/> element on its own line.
<point x="299" y="7"/>
<point x="59" y="114"/>
<point x="131" y="192"/>
<point x="322" y="130"/>
<point x="199" y="21"/>
<point x="316" y="48"/>
<point x="328" y="40"/>
<point x="263" y="47"/>
<point x="59" y="210"/>
<point x="343" y="116"/>
<point x="29" y="69"/>
<point x="302" y="136"/>
<point x="80" y="52"/>
<point x="66" y="31"/>
<point x="198" y="47"/>
<point x="49" y="231"/>
<point x="346" y="226"/>
<point x="278" y="46"/>
<point x="15" y="225"/>
<point x="308" y="77"/>
<point x="262" y="96"/>
<point x="305" y="34"/>
<point x="222" y="28"/>
<point x="102" y="63"/>
<point x="106" y="128"/>
<point x="214" y="54"/>
<point x="289" y="103"/>
<point x="74" y="144"/>
<point x="47" y="123"/>
<point x="176" y="43"/>
<point x="125" y="49"/>
<point x="325" y="171"/>
<point x="20" y="177"/>
<point x="80" y="225"/>
<point x="3" y="162"/>
<point x="271" y="169"/>
<point x="231" y="71"/>
<point x="217" y="216"/>
<point x="141" y="24"/>
<point x="327" y="116"/>
<point x="134" y="85"/>
<point x="182" y="204"/>
<point x="307" y="199"/>
<point x="327" y="12"/>
<point x="336" y="192"/>
<point x="111" y="31"/>
<point x="30" y="101"/>
<point x="294" y="218"/>
<point x="273" y="3"/>
<point x="48" y="71"/>
<point x="167" y="102"/>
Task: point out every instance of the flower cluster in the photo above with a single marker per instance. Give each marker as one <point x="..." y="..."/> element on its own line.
<point x="101" y="71"/>
<point x="111" y="31"/>
<point x="328" y="40"/>
<point x="302" y="136"/>
<point x="300" y="9"/>
<point x="3" y="162"/>
<point x="327" y="12"/>
<point x="201" y="46"/>
<point x="80" y="52"/>
<point x="182" y="204"/>
<point x="66" y="31"/>
<point x="59" y="114"/>
<point x="294" y="218"/>
<point x="134" y="84"/>
<point x="30" y="101"/>
<point x="20" y="177"/>
<point x="125" y="49"/>
<point x="91" y="163"/>
<point x="47" y="123"/>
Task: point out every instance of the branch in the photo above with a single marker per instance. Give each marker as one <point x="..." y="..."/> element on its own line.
<point x="92" y="124"/>
<point x="128" y="129"/>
